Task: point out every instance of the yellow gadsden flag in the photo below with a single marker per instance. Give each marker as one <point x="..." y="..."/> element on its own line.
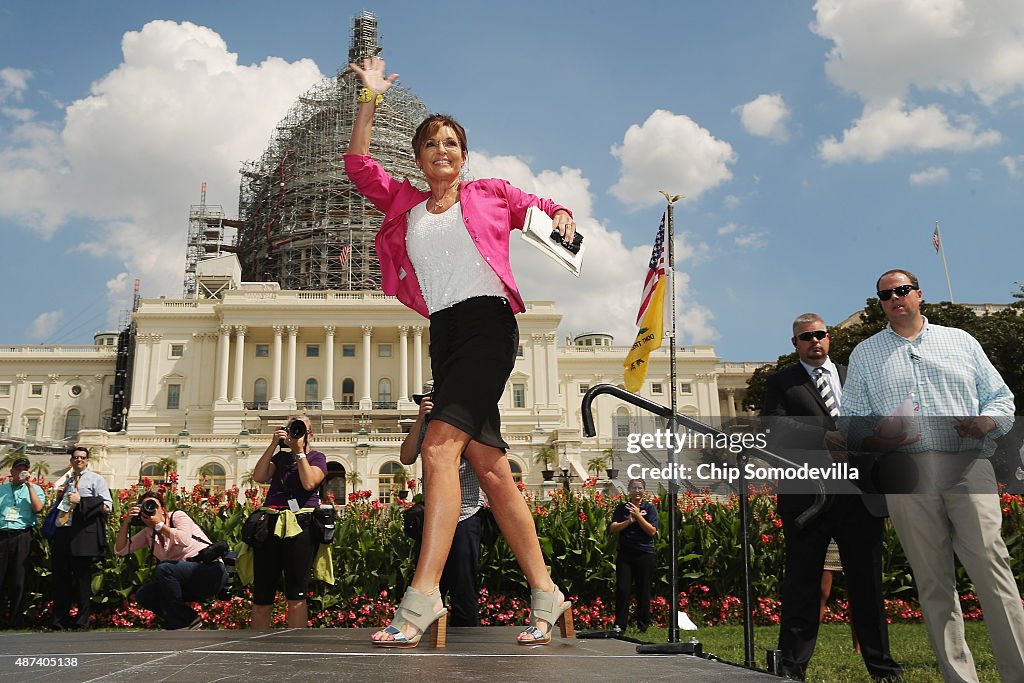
<point x="652" y="330"/>
<point x="651" y="317"/>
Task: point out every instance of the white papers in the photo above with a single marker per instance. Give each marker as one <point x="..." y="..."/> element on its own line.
<point x="685" y="623"/>
<point x="537" y="232"/>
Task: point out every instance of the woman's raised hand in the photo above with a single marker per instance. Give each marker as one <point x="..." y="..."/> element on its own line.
<point x="371" y="74"/>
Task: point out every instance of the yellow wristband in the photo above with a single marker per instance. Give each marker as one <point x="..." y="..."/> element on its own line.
<point x="365" y="95"/>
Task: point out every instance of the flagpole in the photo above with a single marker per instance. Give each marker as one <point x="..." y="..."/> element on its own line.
<point x="942" y="252"/>
<point x="673" y="487"/>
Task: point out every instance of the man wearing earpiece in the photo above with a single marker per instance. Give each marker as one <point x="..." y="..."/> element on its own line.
<point x="813" y="389"/>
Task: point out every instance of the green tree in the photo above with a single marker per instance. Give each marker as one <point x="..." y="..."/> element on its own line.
<point x="596" y="464"/>
<point x="545" y="454"/>
<point x="354" y="480"/>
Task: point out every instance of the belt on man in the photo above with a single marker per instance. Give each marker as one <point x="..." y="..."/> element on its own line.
<point x="12" y="532"/>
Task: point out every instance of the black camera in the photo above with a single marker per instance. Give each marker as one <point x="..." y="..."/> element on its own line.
<point x="296" y="430"/>
<point x="146" y="509"/>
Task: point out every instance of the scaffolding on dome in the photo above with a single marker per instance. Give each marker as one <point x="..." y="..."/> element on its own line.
<point x="304" y="225"/>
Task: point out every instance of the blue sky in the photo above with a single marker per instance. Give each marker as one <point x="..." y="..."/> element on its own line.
<point x="816" y="144"/>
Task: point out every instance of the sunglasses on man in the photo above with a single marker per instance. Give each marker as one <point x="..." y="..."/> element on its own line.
<point x="815" y="334"/>
<point x="901" y="291"/>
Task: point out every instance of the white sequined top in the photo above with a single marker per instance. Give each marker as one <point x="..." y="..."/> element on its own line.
<point x="448" y="265"/>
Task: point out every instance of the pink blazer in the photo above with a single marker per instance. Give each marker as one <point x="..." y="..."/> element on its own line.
<point x="491" y="208"/>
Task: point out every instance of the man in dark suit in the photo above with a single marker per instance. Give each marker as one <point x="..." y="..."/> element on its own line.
<point x="81" y="540"/>
<point x="813" y="389"/>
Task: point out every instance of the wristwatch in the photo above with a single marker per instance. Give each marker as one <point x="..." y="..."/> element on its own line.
<point x="365" y="95"/>
<point x="300" y="456"/>
<point x="158" y="526"/>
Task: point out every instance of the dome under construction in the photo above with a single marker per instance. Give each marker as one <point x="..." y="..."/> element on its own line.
<point x="303" y="224"/>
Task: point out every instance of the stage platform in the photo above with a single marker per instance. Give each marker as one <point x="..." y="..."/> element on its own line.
<point x="485" y="654"/>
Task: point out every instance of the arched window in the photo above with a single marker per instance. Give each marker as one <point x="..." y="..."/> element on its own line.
<point x="517" y="471"/>
<point x="384" y="391"/>
<point x="212" y="477"/>
<point x="621" y="420"/>
<point x="72" y="423"/>
<point x="335" y="484"/>
<point x="348" y="391"/>
<point x="312" y="390"/>
<point x="153" y="471"/>
<point x="386" y="479"/>
<point x="259" y="391"/>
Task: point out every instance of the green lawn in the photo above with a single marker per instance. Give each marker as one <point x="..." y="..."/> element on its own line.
<point x="834" y="660"/>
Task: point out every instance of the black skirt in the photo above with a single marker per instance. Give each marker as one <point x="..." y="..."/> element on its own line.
<point x="473" y="348"/>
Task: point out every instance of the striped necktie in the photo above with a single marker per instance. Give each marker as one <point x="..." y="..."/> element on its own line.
<point x="63" y="517"/>
<point x="825" y="389"/>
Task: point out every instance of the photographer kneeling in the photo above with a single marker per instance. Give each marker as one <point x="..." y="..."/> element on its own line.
<point x="181" y="577"/>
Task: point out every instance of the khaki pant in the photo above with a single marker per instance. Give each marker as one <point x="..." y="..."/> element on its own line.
<point x="934" y="526"/>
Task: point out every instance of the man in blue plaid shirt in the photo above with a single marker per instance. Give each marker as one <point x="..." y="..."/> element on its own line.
<point x="941" y="401"/>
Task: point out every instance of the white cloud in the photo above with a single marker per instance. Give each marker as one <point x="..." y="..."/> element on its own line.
<point x="669" y="152"/>
<point x="120" y="291"/>
<point x="13" y="83"/>
<point x="728" y="229"/>
<point x="885" y="51"/>
<point x="132" y="154"/>
<point x="881" y="49"/>
<point x="752" y="240"/>
<point x="606" y="295"/>
<point x="44" y="325"/>
<point x="890" y="128"/>
<point x="1012" y="165"/>
<point x="930" y="176"/>
<point x="731" y="201"/>
<point x="765" y="116"/>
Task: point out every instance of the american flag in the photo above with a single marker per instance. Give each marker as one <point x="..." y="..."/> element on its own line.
<point x="936" y="240"/>
<point x="345" y="255"/>
<point x="655" y="270"/>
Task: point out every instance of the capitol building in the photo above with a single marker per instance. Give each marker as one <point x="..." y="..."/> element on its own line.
<point x="281" y="314"/>
<point x="211" y="378"/>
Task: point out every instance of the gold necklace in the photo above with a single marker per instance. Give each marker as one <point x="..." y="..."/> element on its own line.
<point x="439" y="202"/>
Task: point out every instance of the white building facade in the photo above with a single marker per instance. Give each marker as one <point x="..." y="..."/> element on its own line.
<point x="212" y="378"/>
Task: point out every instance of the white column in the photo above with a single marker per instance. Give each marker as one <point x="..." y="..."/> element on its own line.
<point x="538" y="372"/>
<point x="224" y="348"/>
<point x="403" y="365"/>
<point x="48" y="428"/>
<point x="140" y="370"/>
<point x="551" y="353"/>
<point x="236" y="391"/>
<point x="275" y="386"/>
<point x="731" y="397"/>
<point x="17" y="425"/>
<point x="365" y="402"/>
<point x="289" y="387"/>
<point x="417" y="358"/>
<point x="328" y="399"/>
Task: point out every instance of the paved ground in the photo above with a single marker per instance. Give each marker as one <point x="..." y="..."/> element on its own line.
<point x="473" y="654"/>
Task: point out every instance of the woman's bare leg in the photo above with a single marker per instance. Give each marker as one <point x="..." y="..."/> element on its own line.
<point x="512" y="514"/>
<point x="441" y="450"/>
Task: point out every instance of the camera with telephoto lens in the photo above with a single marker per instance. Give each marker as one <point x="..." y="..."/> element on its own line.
<point x="146" y="509"/>
<point x="296" y="430"/>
